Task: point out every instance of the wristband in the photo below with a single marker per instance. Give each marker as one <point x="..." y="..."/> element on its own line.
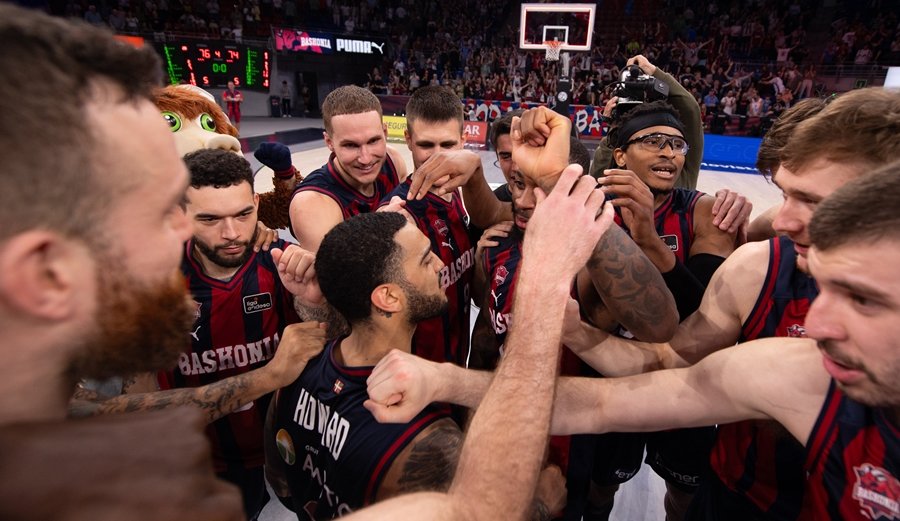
<point x="290" y="173"/>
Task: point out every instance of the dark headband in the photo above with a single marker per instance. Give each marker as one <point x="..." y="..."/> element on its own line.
<point x="653" y="119"/>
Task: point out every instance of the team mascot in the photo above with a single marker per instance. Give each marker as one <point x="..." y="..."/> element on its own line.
<point x="198" y="122"/>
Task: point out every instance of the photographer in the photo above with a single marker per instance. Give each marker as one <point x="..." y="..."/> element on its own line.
<point x="687" y="107"/>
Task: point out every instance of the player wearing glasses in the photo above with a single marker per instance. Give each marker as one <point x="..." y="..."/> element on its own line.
<point x="674" y="228"/>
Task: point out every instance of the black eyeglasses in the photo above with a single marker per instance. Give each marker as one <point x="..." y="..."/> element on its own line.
<point x="657" y="141"/>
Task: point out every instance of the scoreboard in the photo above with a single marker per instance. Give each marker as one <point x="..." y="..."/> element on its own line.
<point x="214" y="64"/>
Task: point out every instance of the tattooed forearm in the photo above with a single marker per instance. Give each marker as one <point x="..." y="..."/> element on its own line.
<point x="432" y="461"/>
<point x="215" y="400"/>
<point x="632" y="288"/>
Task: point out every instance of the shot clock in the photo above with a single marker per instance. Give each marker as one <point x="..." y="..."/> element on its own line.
<point x="214" y="64"/>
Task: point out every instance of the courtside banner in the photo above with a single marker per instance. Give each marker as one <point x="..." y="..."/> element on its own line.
<point x="396" y="125"/>
<point x="475" y="132"/>
<point x="585" y="118"/>
<point x="298" y="40"/>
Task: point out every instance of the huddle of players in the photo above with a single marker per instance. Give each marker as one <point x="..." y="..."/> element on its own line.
<point x="398" y="279"/>
<point x="762" y="290"/>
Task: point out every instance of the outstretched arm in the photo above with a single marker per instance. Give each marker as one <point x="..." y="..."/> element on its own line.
<point x="299" y="343"/>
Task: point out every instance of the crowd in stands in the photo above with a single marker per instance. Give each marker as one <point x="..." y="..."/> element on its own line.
<point x="751" y="59"/>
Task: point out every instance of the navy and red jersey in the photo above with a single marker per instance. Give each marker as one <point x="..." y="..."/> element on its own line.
<point x="444" y="338"/>
<point x="336" y="453"/>
<point x="674" y="220"/>
<point x="238" y="325"/>
<point x="853" y="461"/>
<point x="501" y="266"/>
<point x="328" y="181"/>
<point x="758" y="459"/>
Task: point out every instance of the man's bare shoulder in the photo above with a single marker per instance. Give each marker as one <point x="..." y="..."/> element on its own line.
<point x="399" y="162"/>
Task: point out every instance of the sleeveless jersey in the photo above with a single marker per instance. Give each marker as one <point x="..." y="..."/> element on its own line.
<point x="760" y="460"/>
<point x="237" y="329"/>
<point x="328" y="181"/>
<point x="853" y="460"/>
<point x="674" y="221"/>
<point x="444" y="338"/>
<point x="336" y="453"/>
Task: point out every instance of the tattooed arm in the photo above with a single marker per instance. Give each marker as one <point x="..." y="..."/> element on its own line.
<point x="631" y="287"/>
<point x="299" y="343"/>
<point x="428" y="463"/>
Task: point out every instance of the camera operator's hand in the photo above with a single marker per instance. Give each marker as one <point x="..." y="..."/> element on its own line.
<point x="643" y="63"/>
<point x="610" y="106"/>
<point x="633" y="197"/>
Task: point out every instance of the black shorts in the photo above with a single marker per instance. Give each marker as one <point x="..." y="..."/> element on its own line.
<point x="681" y="457"/>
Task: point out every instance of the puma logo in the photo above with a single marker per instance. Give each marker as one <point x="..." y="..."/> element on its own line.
<point x="379" y="47"/>
<point x="447" y="244"/>
<point x="496" y="298"/>
<point x="194" y="334"/>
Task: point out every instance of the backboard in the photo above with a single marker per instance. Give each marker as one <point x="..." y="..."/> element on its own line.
<point x="572" y="24"/>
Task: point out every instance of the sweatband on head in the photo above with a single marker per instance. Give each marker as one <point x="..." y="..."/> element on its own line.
<point x="653" y="119"/>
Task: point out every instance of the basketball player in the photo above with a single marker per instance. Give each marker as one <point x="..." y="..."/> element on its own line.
<point x="233" y="99"/>
<point x="757" y="467"/>
<point x="81" y="293"/>
<point x="362" y="169"/>
<point x="332" y="457"/>
<point x="244" y="301"/>
<point x="838" y="397"/>
<point x="687" y="107"/>
<point x="613" y="288"/>
<point x="673" y="226"/>
<point x="434" y="125"/>
<point x="243" y="308"/>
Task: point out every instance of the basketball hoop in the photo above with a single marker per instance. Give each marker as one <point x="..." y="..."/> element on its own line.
<point x="553" y="48"/>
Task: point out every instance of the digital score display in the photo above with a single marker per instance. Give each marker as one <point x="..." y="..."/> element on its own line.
<point x="213" y="65"/>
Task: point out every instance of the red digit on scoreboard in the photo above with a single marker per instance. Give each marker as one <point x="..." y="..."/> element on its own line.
<point x="204" y="53"/>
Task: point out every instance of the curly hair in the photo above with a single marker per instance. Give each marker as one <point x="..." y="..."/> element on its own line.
<point x="217" y="168"/>
<point x="355" y="257"/>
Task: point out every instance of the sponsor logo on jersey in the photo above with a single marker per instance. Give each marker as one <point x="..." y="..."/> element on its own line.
<point x="796" y="331"/>
<point x="671" y="241"/>
<point x="257" y="303"/>
<point x="500" y="275"/>
<point x="877" y="491"/>
<point x="197" y="310"/>
<point x="441" y="227"/>
<point x="285" y="446"/>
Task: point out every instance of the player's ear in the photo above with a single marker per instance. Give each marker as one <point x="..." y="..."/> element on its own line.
<point x="40" y="274"/>
<point x="619" y="157"/>
<point x="328" y="142"/>
<point x="407" y="136"/>
<point x="387" y="298"/>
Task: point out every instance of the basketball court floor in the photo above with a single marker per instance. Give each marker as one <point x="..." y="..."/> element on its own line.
<point x="640" y="499"/>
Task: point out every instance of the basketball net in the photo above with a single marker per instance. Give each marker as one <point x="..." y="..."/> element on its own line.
<point x="553" y="47"/>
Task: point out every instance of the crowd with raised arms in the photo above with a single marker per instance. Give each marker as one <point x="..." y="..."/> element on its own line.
<point x="338" y="367"/>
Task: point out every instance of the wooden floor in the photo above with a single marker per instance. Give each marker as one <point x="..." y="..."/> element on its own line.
<point x="641" y="498"/>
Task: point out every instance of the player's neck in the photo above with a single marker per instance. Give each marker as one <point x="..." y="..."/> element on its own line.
<point x="213" y="270"/>
<point x="44" y="375"/>
<point x="369" y="343"/>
